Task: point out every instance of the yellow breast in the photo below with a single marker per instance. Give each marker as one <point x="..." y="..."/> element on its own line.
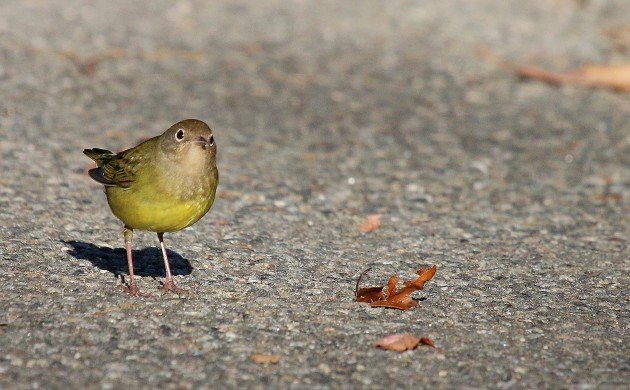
<point x="145" y="207"/>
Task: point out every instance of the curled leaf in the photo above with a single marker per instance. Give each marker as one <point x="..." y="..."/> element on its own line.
<point x="371" y="294"/>
<point x="390" y="297"/>
<point x="368" y="294"/>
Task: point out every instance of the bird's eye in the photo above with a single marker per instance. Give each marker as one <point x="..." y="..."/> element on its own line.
<point x="180" y="134"/>
<point x="211" y="140"/>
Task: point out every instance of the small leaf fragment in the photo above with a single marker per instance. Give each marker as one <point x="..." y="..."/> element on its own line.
<point x="265" y="359"/>
<point x="371" y="223"/>
<point x="611" y="76"/>
<point x="391" y="286"/>
<point x="402" y="302"/>
<point x="398" y="342"/>
<point x="427" y="341"/>
<point x="370" y="294"/>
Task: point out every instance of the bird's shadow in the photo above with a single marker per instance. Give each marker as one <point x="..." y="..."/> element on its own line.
<point x="146" y="262"/>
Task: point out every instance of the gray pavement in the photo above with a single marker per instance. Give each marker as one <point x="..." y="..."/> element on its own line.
<point x="324" y="112"/>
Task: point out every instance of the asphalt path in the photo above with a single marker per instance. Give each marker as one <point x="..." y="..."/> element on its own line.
<point x="324" y="113"/>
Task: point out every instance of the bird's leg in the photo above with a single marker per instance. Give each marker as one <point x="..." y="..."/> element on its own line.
<point x="169" y="284"/>
<point x="132" y="289"/>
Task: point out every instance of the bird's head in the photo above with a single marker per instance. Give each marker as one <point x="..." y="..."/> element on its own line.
<point x="189" y="139"/>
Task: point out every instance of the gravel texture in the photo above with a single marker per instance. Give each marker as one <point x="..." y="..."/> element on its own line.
<point x="324" y="112"/>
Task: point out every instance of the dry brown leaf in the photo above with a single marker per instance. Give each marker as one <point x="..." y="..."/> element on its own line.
<point x="398" y="342"/>
<point x="368" y="294"/>
<point x="390" y="297"/>
<point x="371" y="294"/>
<point x="371" y="223"/>
<point x="427" y="341"/>
<point x="265" y="359"/>
<point x="616" y="76"/>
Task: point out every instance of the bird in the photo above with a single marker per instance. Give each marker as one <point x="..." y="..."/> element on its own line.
<point x="164" y="184"/>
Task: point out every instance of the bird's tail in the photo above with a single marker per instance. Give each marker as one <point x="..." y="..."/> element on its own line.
<point x="101" y="156"/>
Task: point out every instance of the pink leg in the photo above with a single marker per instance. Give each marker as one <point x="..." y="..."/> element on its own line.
<point x="132" y="289"/>
<point x="169" y="284"/>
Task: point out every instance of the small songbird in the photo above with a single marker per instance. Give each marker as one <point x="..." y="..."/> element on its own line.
<point x="164" y="184"/>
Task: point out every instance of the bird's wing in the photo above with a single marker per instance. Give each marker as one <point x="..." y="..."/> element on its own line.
<point x="100" y="156"/>
<point x="120" y="169"/>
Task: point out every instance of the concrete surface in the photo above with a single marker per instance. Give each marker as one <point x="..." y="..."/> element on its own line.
<point x="324" y="112"/>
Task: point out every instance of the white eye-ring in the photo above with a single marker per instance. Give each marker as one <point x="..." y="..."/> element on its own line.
<point x="179" y="135"/>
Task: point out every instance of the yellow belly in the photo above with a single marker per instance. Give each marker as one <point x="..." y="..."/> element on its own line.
<point x="145" y="210"/>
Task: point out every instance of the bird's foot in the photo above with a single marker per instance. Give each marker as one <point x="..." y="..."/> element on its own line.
<point x="169" y="286"/>
<point x="134" y="291"/>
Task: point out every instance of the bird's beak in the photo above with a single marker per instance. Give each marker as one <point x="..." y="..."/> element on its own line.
<point x="202" y="141"/>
